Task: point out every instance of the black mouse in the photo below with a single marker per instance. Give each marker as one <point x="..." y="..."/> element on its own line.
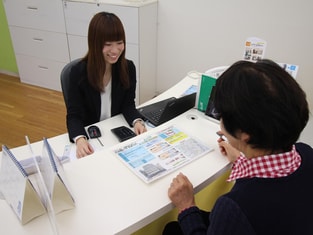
<point x="94" y="132"/>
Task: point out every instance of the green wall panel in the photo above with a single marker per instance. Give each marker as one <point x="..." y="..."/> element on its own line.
<point x="7" y="57"/>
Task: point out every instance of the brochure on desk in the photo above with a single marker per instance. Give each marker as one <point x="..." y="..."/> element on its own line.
<point x="160" y="153"/>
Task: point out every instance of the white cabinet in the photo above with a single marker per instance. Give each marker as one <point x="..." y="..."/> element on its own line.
<point x="39" y="40"/>
<point x="47" y="34"/>
<point x="140" y="22"/>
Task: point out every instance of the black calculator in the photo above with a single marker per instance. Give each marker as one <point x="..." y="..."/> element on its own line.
<point x="123" y="133"/>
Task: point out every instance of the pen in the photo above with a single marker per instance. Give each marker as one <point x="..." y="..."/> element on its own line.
<point x="221" y="135"/>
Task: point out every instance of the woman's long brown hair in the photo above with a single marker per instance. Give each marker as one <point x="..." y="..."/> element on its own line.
<point x="104" y="27"/>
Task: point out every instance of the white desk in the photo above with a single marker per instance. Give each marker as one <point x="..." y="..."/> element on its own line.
<point x="110" y="199"/>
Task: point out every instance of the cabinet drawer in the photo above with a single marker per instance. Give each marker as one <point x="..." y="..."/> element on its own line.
<point x="40" y="14"/>
<point x="79" y="14"/>
<point x="38" y="43"/>
<point x="40" y="72"/>
<point x="77" y="45"/>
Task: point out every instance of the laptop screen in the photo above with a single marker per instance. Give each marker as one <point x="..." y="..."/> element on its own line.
<point x="173" y="107"/>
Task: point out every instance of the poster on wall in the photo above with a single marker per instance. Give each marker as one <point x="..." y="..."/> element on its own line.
<point x="254" y="49"/>
<point x="292" y="69"/>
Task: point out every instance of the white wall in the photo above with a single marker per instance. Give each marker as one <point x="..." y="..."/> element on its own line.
<point x="201" y="34"/>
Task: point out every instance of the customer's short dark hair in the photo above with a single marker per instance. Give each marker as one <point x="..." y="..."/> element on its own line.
<point x="264" y="101"/>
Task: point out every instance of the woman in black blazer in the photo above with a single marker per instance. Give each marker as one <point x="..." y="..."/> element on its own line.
<point x="103" y="83"/>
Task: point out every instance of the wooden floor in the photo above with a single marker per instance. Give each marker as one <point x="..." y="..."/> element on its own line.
<point x="29" y="110"/>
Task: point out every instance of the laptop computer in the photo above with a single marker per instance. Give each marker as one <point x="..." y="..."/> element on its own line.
<point x="210" y="111"/>
<point x="165" y="110"/>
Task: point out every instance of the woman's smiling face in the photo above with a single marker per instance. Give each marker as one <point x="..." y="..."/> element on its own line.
<point x="112" y="51"/>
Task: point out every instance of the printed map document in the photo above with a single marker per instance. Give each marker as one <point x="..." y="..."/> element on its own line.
<point x="158" y="154"/>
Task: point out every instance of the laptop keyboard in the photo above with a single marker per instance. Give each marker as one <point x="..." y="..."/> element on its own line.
<point x="164" y="110"/>
<point x="155" y="115"/>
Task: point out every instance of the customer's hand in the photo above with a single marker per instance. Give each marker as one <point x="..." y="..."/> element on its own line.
<point x="228" y="150"/>
<point x="83" y="148"/>
<point x="181" y="192"/>
<point x="139" y="127"/>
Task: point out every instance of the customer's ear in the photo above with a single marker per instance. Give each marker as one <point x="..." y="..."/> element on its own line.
<point x="245" y="137"/>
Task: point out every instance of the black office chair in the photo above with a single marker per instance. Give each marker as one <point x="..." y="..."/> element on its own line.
<point x="65" y="73"/>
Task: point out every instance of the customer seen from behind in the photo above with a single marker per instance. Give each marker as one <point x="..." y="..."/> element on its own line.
<point x="262" y="112"/>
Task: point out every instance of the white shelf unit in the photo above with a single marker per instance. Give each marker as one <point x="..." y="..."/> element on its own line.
<point x="140" y="22"/>
<point x="39" y="40"/>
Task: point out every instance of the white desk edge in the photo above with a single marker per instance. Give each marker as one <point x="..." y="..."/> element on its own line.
<point x="117" y="201"/>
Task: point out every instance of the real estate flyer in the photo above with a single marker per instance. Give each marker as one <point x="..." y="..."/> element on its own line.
<point x="160" y="153"/>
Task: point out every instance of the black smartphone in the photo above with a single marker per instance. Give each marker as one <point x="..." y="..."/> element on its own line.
<point x="123" y="133"/>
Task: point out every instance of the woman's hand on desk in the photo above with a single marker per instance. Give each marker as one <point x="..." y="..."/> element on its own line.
<point x="83" y="147"/>
<point x="139" y="127"/>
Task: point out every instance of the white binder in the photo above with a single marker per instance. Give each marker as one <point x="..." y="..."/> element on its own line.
<point x="55" y="180"/>
<point x="43" y="191"/>
<point x="18" y="190"/>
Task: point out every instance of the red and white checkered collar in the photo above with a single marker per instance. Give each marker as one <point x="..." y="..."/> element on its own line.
<point x="268" y="166"/>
